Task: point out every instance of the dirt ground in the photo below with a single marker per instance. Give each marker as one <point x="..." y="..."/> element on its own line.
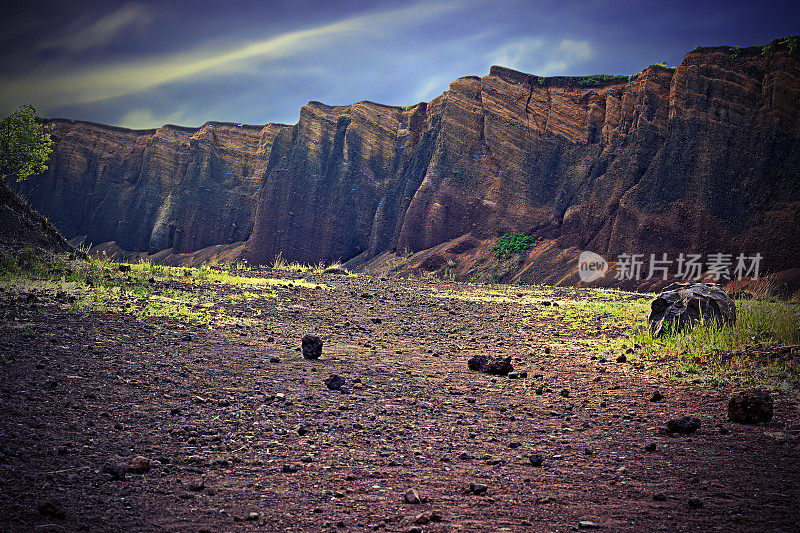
<point x="241" y="433"/>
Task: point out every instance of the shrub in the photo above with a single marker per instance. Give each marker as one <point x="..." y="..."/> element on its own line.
<point x="514" y="243"/>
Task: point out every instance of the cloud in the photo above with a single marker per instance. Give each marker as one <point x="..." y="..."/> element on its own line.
<point x="144" y="119"/>
<point x="542" y="56"/>
<point x="58" y="85"/>
<point x="576" y="50"/>
<point x="516" y="52"/>
<point x="83" y="34"/>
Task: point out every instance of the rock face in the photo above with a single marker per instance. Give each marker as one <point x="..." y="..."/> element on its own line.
<point x="684" y="305"/>
<point x="750" y="407"/>
<point x="669" y="160"/>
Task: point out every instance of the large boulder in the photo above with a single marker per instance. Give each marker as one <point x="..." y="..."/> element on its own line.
<point x="682" y="306"/>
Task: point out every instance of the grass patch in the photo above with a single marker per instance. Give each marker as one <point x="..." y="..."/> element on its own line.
<point x="514" y="243"/>
<point x="761" y="348"/>
<point x="203" y="295"/>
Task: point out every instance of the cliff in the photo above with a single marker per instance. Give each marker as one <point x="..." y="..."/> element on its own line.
<point x="701" y="158"/>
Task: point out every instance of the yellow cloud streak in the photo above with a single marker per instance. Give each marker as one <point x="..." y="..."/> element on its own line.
<point x="49" y="87"/>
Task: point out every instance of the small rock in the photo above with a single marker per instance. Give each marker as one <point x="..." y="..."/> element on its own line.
<point x="477" y="488"/>
<point x="588" y="451"/>
<point x="547" y="350"/>
<point x="253" y="516"/>
<point x="659" y="497"/>
<point x="411" y="496"/>
<point x="750" y="407"/>
<point x="312" y="347"/>
<point x="175" y="411"/>
<point x="499" y="366"/>
<point x="514" y="445"/>
<point x="376" y="320"/>
<point x="421" y="519"/>
<point x="139" y="465"/>
<point x="52" y="509"/>
<point x="622" y="359"/>
<point x="290" y="468"/>
<point x="196" y="485"/>
<point x="335" y="382"/>
<point x="685" y="425"/>
<point x="117" y="472"/>
<point x="274" y="359"/>
<point x="695" y="503"/>
<point x="657" y="397"/>
<point x="564" y="393"/>
<point x="650" y="447"/>
<point x="478" y="363"/>
<point x="536" y="459"/>
<point x="588" y="524"/>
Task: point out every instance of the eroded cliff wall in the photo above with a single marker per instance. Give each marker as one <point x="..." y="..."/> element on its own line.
<point x="702" y="158"/>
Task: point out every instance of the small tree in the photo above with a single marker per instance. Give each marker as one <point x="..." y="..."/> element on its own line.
<point x="25" y="144"/>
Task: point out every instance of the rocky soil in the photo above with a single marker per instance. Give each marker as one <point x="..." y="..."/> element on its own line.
<point x="110" y="423"/>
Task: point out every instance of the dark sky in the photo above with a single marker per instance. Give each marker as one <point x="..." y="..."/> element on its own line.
<point x="143" y="64"/>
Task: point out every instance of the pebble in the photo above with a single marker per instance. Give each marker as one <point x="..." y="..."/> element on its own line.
<point x="411" y="496"/>
<point x="622" y="359"/>
<point x="657" y="397"/>
<point x="685" y="425"/>
<point x="335" y="382"/>
<point x="695" y="503"/>
<point x="117" y="472"/>
<point x="52" y="509"/>
<point x="139" y="465"/>
<point x="564" y="393"/>
<point x="477" y="488"/>
<point x="536" y="459"/>
<point x="659" y="497"/>
<point x="588" y="524"/>
<point x="650" y="447"/>
<point x="290" y="468"/>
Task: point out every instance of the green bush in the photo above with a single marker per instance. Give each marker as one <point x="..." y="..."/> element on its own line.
<point x="514" y="243"/>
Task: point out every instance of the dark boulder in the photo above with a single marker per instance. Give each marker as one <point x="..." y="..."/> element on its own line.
<point x="312" y="347"/>
<point x="682" y="306"/>
<point x="686" y="425"/>
<point x="499" y="366"/>
<point x="750" y="407"/>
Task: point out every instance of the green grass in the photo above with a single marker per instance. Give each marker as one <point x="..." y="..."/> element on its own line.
<point x="145" y="290"/>
<point x="749" y="351"/>
<point x="514" y="243"/>
<point x="599" y="79"/>
<point x="280" y="264"/>
<point x="756" y="350"/>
